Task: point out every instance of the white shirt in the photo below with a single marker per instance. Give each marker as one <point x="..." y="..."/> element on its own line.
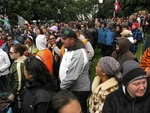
<point x="4" y="63"/>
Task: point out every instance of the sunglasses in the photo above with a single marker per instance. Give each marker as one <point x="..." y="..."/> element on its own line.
<point x="52" y="39"/>
<point x="9" y="39"/>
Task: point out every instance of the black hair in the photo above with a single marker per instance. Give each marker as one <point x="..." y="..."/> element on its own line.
<point x="31" y="39"/>
<point x="60" y="99"/>
<point x="40" y="73"/>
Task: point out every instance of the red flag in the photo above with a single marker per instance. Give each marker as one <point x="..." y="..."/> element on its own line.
<point x="117" y="6"/>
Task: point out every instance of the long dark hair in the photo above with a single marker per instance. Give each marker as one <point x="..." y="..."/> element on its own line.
<point x="40" y="73"/>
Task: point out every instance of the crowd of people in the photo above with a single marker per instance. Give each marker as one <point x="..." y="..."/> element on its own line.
<point x="48" y="69"/>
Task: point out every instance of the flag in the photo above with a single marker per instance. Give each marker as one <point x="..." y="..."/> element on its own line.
<point x="6" y="23"/>
<point x="117" y="6"/>
<point x="22" y="21"/>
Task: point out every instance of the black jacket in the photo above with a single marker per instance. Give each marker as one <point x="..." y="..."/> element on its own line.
<point x="119" y="101"/>
<point x="36" y="100"/>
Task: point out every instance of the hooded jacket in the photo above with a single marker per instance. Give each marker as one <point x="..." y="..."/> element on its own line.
<point x="44" y="53"/>
<point x="123" y="54"/>
<point x="120" y="101"/>
<point x="74" y="67"/>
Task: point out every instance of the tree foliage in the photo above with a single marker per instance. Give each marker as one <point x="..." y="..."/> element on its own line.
<point x="68" y="10"/>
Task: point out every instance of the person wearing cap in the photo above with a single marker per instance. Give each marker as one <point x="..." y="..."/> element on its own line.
<point x="133" y="94"/>
<point x="107" y="80"/>
<point x="74" y="67"/>
<point x="137" y="36"/>
<point x="127" y="34"/>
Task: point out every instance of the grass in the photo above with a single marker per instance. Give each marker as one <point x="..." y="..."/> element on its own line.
<point x="139" y="52"/>
<point x="94" y="62"/>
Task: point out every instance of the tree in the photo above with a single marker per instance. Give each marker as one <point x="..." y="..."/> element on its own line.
<point x="68" y="10"/>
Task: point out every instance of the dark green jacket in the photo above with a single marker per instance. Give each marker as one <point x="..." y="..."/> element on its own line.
<point x="17" y="79"/>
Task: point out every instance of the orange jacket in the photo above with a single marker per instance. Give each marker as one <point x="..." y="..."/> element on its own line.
<point x="47" y="59"/>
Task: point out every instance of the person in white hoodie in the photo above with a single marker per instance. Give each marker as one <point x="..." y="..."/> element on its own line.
<point x="44" y="54"/>
<point x="4" y="71"/>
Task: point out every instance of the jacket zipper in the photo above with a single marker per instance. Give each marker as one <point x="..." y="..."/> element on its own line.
<point x="133" y="106"/>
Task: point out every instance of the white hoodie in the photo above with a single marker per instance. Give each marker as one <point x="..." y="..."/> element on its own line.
<point x="41" y="42"/>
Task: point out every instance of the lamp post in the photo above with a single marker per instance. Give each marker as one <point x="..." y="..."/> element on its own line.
<point x="100" y="1"/>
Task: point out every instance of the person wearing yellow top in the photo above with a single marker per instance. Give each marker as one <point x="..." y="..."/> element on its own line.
<point x="30" y="43"/>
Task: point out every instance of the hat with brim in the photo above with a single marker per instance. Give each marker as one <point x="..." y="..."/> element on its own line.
<point x="126" y="33"/>
<point x="67" y="33"/>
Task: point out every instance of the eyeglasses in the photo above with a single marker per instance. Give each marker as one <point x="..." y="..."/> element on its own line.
<point x="9" y="39"/>
<point x="11" y="52"/>
<point x="52" y="39"/>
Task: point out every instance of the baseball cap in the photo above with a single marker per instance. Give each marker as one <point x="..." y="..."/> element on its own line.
<point x="67" y="33"/>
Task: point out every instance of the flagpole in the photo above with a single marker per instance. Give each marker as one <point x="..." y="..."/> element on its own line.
<point x="114" y="14"/>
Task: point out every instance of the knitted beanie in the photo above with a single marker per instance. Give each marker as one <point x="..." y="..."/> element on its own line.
<point x="111" y="67"/>
<point x="136" y="24"/>
<point x="132" y="71"/>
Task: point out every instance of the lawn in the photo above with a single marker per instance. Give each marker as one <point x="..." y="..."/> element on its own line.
<point x="95" y="60"/>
